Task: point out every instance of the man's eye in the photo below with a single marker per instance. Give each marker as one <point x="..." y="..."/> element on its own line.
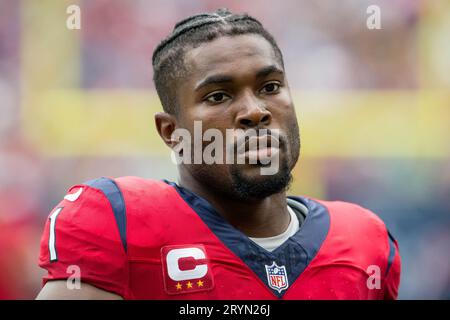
<point x="271" y="87"/>
<point x="217" y="97"/>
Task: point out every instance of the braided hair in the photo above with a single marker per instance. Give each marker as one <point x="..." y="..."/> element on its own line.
<point x="168" y="57"/>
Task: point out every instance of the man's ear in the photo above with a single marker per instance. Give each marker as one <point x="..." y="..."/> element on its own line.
<point x="166" y="124"/>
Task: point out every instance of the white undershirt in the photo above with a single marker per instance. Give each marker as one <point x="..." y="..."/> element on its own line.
<point x="271" y="243"/>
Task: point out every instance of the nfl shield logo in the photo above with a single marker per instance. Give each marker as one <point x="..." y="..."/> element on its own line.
<point x="277" y="277"/>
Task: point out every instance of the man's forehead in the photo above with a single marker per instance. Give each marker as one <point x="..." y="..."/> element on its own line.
<point x="228" y="51"/>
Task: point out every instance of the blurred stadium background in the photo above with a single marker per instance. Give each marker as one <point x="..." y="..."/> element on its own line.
<point x="373" y="105"/>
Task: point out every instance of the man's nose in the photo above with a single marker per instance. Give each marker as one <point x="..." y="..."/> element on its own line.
<point x="252" y="113"/>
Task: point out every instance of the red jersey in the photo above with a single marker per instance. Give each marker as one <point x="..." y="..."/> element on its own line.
<point x="147" y="239"/>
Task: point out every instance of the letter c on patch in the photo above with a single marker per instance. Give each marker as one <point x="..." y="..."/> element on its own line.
<point x="173" y="267"/>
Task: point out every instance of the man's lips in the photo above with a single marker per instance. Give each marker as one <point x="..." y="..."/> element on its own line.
<point x="262" y="154"/>
<point x="258" y="147"/>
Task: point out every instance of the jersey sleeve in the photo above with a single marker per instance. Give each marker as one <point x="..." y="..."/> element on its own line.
<point x="392" y="277"/>
<point x="83" y="237"/>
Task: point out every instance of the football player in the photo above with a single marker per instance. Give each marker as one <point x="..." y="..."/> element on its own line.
<point x="223" y="230"/>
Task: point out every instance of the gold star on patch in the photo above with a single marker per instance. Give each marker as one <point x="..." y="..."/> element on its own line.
<point x="178" y="286"/>
<point x="189" y="285"/>
<point x="200" y="283"/>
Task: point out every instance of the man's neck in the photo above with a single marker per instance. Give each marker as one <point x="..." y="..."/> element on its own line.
<point x="258" y="218"/>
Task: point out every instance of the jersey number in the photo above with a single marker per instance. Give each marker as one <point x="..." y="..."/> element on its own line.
<point x="52" y="235"/>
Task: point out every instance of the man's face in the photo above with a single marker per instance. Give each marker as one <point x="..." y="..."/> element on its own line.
<point x="239" y="83"/>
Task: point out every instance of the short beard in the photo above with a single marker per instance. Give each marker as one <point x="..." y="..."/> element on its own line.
<point x="255" y="189"/>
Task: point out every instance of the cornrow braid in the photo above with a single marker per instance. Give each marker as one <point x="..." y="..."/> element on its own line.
<point x="168" y="57"/>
